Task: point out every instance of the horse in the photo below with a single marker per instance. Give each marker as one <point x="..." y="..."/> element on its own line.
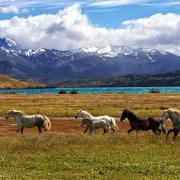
<point x="174" y="115"/>
<point x="96" y="124"/>
<point x="138" y="123"/>
<point x="29" y="121"/>
<point x="86" y="115"/>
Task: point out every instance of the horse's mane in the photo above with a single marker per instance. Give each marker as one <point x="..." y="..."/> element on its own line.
<point x="17" y="111"/>
<point x="173" y="110"/>
<point x="89" y="114"/>
<point x="129" y="112"/>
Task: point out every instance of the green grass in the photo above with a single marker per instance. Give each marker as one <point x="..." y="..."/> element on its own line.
<point x="77" y="156"/>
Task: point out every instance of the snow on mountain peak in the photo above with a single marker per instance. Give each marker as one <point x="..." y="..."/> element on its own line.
<point x="8" y="44"/>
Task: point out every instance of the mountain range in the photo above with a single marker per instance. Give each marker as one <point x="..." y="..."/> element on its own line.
<point x="48" y="65"/>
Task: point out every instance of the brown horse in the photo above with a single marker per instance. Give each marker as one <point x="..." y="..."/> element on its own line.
<point x="138" y="123"/>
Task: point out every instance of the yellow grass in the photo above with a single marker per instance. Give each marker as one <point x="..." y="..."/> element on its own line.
<point x="110" y="104"/>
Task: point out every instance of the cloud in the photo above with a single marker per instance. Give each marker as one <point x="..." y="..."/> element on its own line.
<point x="9" y="9"/>
<point x="111" y="3"/>
<point x="71" y="29"/>
<point x="164" y="4"/>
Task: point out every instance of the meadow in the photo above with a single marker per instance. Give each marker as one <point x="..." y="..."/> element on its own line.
<point x="110" y="104"/>
<point x="61" y="154"/>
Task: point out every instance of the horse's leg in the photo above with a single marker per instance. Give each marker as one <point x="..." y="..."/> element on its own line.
<point x="86" y="130"/>
<point x="159" y="131"/>
<point x="113" y="129"/>
<point x="132" y="129"/>
<point x="171" y="130"/>
<point x="137" y="131"/>
<point x="106" y="130"/>
<point x="91" y="130"/>
<point x="18" y="129"/>
<point x="154" y="131"/>
<point x="175" y="135"/>
<point x="164" y="129"/>
<point x="22" y="129"/>
<point x="39" y="129"/>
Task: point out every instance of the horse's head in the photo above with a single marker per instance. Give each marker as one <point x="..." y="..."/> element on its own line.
<point x="78" y="114"/>
<point x="172" y="114"/>
<point x="83" y="114"/>
<point x="125" y="114"/>
<point x="165" y="115"/>
<point x="9" y="114"/>
<point x="12" y="113"/>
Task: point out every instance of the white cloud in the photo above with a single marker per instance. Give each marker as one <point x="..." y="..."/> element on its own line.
<point x="9" y="9"/>
<point x="111" y="3"/>
<point x="164" y="4"/>
<point x="70" y="29"/>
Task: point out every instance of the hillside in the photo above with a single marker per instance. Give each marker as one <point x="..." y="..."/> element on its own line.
<point x="89" y="63"/>
<point x="168" y="79"/>
<point x="7" y="82"/>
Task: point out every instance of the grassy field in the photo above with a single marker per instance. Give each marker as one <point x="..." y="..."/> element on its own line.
<point x="110" y="104"/>
<point x="77" y="156"/>
<point x="73" y="155"/>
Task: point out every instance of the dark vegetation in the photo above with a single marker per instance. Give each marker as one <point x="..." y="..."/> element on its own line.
<point x="168" y="79"/>
<point x="73" y="91"/>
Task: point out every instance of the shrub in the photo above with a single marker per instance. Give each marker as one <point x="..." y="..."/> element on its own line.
<point x="154" y="91"/>
<point x="74" y="91"/>
<point x="62" y="92"/>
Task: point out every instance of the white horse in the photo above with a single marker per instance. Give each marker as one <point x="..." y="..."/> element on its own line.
<point x="85" y="115"/>
<point x="174" y="115"/>
<point x="96" y="124"/>
<point x="29" y="121"/>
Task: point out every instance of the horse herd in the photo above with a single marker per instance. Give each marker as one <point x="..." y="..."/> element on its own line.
<point x="91" y="123"/>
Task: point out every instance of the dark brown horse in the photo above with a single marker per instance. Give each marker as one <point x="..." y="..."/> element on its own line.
<point x="138" y="123"/>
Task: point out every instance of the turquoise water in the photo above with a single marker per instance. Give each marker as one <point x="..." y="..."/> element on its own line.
<point x="97" y="90"/>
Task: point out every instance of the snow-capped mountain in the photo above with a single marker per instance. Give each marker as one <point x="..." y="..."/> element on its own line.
<point x="90" y="62"/>
<point x="8" y="44"/>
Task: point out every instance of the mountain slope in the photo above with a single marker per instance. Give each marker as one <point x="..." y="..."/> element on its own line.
<point x="168" y="79"/>
<point x="7" y="82"/>
<point x="47" y="65"/>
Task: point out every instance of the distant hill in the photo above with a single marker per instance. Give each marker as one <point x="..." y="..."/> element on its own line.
<point x="168" y="79"/>
<point x="7" y="82"/>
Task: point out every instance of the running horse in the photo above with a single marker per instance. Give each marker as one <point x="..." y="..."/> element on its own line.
<point x="174" y="115"/>
<point x="138" y="123"/>
<point x="29" y="121"/>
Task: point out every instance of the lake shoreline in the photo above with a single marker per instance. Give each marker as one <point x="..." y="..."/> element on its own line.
<point x="94" y="90"/>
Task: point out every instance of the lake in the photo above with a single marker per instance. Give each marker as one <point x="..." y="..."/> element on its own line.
<point x="94" y="90"/>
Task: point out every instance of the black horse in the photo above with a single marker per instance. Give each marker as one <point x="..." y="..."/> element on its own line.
<point x="138" y="123"/>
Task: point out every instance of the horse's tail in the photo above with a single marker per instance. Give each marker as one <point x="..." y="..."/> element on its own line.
<point x="113" y="124"/>
<point x="158" y="124"/>
<point x="47" y="123"/>
<point x="162" y="126"/>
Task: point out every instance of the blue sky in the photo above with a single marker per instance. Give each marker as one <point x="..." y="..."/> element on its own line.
<point x="109" y="13"/>
<point x="70" y="24"/>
